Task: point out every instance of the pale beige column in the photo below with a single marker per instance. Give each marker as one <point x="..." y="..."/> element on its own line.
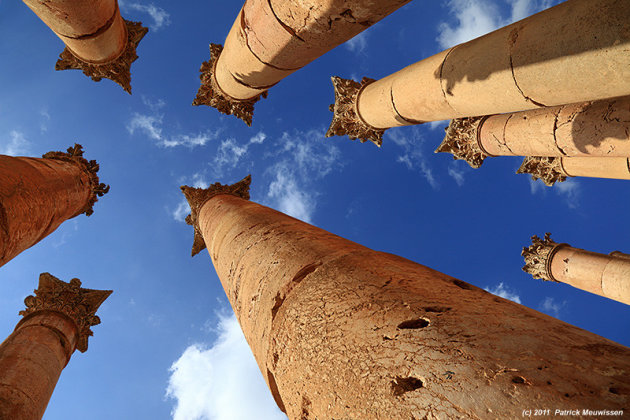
<point x="556" y="169"/>
<point x="604" y="275"/>
<point x="340" y="331"/>
<point x="574" y="52"/>
<point x="271" y="39"/>
<point x="98" y="40"/>
<point x="600" y="128"/>
<point x="57" y="321"/>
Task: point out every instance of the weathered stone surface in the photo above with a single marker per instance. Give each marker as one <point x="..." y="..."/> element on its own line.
<point x="548" y="169"/>
<point x="346" y="120"/>
<point x="118" y="70"/>
<point x="462" y="141"/>
<point x="538" y="257"/>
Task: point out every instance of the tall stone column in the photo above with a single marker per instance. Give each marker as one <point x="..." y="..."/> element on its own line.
<point x="271" y="39"/>
<point x="57" y="321"/>
<point x="600" y="128"/>
<point x="604" y="275"/>
<point x="342" y="331"/>
<point x="98" y="40"/>
<point x="38" y="194"/>
<point x="574" y="52"/>
<point x="556" y="169"/>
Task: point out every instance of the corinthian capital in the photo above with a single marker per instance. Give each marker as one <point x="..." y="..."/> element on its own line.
<point x="538" y="257"/>
<point x="462" y="141"/>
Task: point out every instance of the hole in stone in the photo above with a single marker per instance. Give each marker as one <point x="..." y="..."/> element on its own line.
<point x="567" y="395"/>
<point x="462" y="285"/>
<point x="278" y="301"/>
<point x="437" y="309"/>
<point x="305" y="271"/>
<point x="518" y="380"/>
<point x="613" y="390"/>
<point x="273" y="387"/>
<point x="402" y="385"/>
<point x="414" y="324"/>
<point x="548" y="382"/>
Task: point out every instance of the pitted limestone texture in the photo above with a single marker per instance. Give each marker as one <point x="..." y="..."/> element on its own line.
<point x="462" y="141"/>
<point x="118" y="70"/>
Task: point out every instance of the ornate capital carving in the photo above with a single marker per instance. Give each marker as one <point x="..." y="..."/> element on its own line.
<point x="118" y="70"/>
<point x="548" y="169"/>
<point x="210" y="93"/>
<point x="75" y="155"/>
<point x="346" y="120"/>
<point x="197" y="197"/>
<point x="462" y="140"/>
<point x="70" y="299"/>
<point x="538" y="257"/>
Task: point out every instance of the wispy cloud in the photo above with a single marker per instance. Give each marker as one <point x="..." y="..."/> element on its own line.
<point x="210" y="383"/>
<point x="230" y="152"/>
<point x="151" y="125"/>
<point x="43" y="124"/>
<point x="504" y="292"/>
<point x="412" y="154"/>
<point x="551" y="307"/>
<point x="474" y="18"/>
<point x="288" y="197"/>
<point x="570" y="190"/>
<point x="456" y="170"/>
<point x="16" y="144"/>
<point x="183" y="209"/>
<point x="160" y="17"/>
<point x="358" y="43"/>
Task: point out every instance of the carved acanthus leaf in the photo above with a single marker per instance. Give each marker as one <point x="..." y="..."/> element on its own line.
<point x="197" y="197"/>
<point x="538" y="257"/>
<point x="210" y="93"/>
<point x="75" y="155"/>
<point x="118" y="70"/>
<point x="548" y="169"/>
<point x="70" y="299"/>
<point x="462" y="141"/>
<point x="345" y="119"/>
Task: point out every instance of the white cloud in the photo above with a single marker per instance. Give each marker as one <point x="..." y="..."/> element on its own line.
<point x="478" y="17"/>
<point x="160" y="17"/>
<point x="412" y="155"/>
<point x="151" y="125"/>
<point x="434" y="125"/>
<point x="570" y="190"/>
<point x="43" y="125"/>
<point x="183" y="209"/>
<point x="502" y="291"/>
<point x="221" y="382"/>
<point x="358" y="43"/>
<point x="288" y="197"/>
<point x="456" y="171"/>
<point x="230" y="152"/>
<point x="551" y="307"/>
<point x="16" y="145"/>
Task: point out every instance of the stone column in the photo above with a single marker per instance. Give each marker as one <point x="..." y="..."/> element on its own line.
<point x="98" y="40"/>
<point x="556" y="169"/>
<point x="604" y="275"/>
<point x="38" y="194"/>
<point x="574" y="52"/>
<point x="271" y="39"/>
<point x="342" y="331"/>
<point x="57" y="321"/>
<point x="600" y="128"/>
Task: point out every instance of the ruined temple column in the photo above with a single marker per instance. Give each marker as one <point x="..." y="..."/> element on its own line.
<point x="574" y="52"/>
<point x="98" y="40"/>
<point x="56" y="322"/>
<point x="271" y="39"/>
<point x="556" y="169"/>
<point x="342" y="331"/>
<point x="38" y="194"/>
<point x="604" y="275"/>
<point x="600" y="128"/>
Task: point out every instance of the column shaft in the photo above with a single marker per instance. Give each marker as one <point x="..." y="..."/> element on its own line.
<point x="94" y="31"/>
<point x="38" y="194"/>
<point x="519" y="67"/>
<point x="556" y="169"/>
<point x="342" y="331"/>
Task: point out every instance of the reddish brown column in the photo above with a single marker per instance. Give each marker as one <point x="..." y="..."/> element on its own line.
<point x="38" y="194"/>
<point x="57" y="321"/>
<point x="98" y="40"/>
<point x="271" y="39"/>
<point x="604" y="275"/>
<point x="342" y="331"/>
<point x="556" y="169"/>
<point x="574" y="52"/>
<point x="600" y="129"/>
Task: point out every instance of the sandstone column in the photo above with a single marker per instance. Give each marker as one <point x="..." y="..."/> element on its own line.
<point x="600" y="128"/>
<point x="38" y="194"/>
<point x="574" y="52"/>
<point x="604" y="275"/>
<point x="57" y="321"/>
<point x="342" y="331"/>
<point x="556" y="169"/>
<point x="98" y="40"/>
<point x="271" y="39"/>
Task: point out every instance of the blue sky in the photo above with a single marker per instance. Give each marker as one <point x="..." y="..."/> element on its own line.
<point x="168" y="345"/>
